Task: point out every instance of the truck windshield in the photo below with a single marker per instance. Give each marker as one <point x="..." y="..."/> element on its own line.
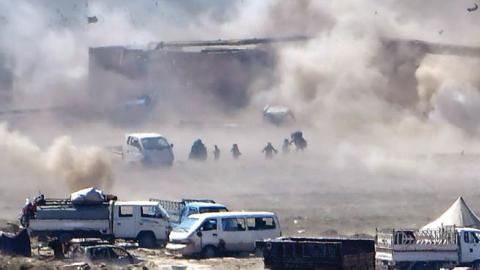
<point x="155" y="143"/>
<point x="186" y="224"/>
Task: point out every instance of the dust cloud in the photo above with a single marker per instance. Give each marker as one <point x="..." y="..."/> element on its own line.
<point x="392" y="133"/>
<point x="76" y="167"/>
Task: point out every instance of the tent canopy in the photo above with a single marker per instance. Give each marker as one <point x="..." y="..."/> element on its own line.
<point x="458" y="214"/>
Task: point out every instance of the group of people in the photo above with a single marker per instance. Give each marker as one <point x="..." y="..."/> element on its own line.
<point x="199" y="150"/>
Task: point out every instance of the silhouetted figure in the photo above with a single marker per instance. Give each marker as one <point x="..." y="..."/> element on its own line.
<point x="216" y="152"/>
<point x="235" y="151"/>
<point x="199" y="151"/>
<point x="286" y="146"/>
<point x="269" y="150"/>
<point x="298" y="140"/>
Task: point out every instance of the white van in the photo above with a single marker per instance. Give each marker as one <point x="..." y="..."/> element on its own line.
<point x="211" y="234"/>
<point x="147" y="149"/>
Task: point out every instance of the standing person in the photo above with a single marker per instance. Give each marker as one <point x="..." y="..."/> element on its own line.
<point x="286" y="146"/>
<point x="198" y="151"/>
<point x="298" y="140"/>
<point x="235" y="151"/>
<point x="216" y="152"/>
<point x="269" y="150"/>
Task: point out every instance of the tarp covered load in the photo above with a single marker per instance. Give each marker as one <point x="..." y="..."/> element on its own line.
<point x="88" y="196"/>
<point x="459" y="214"/>
<point x="15" y="244"/>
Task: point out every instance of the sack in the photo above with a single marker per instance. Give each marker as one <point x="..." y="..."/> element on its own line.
<point x="88" y="196"/>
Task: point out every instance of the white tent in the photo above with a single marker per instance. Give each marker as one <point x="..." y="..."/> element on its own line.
<point x="459" y="214"/>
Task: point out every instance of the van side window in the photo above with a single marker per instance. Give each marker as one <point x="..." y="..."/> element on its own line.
<point x="148" y="211"/>
<point x="125" y="211"/>
<point x="261" y="223"/>
<point x="209" y="225"/>
<point x="474" y="238"/>
<point x="233" y="224"/>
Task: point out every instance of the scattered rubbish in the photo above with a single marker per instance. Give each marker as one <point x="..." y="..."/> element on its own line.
<point x="92" y="19"/>
<point x="475" y="7"/>
<point x="300" y="231"/>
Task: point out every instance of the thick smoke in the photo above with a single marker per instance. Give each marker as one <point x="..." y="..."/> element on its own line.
<point x="79" y="167"/>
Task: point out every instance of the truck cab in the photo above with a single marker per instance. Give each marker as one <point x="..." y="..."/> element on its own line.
<point x="200" y="208"/>
<point x="149" y="149"/>
<point x="145" y="221"/>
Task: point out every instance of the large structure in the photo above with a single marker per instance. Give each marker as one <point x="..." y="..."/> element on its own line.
<point x="183" y="74"/>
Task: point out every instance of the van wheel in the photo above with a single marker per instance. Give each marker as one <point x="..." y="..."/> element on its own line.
<point x="209" y="252"/>
<point x="147" y="240"/>
<point x="476" y="265"/>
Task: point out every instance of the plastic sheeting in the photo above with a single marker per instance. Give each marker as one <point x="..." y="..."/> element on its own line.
<point x="88" y="196"/>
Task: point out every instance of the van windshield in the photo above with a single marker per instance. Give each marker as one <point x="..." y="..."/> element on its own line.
<point x="155" y="143"/>
<point x="186" y="224"/>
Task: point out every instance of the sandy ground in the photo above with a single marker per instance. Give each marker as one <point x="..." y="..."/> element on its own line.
<point x="324" y="190"/>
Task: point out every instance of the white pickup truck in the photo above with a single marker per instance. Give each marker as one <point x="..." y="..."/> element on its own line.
<point x="144" y="221"/>
<point x="445" y="247"/>
<point x="149" y="149"/>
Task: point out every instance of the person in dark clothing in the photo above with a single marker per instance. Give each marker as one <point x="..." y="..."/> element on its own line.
<point x="198" y="151"/>
<point x="286" y="146"/>
<point x="235" y="151"/>
<point x="298" y="140"/>
<point x="269" y="151"/>
<point x="216" y="152"/>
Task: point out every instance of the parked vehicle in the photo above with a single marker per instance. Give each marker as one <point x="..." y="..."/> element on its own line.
<point x="213" y="234"/>
<point x="108" y="254"/>
<point x="144" y="221"/>
<point x="149" y="149"/>
<point x="179" y="211"/>
<point x="445" y="247"/>
<point x="318" y="253"/>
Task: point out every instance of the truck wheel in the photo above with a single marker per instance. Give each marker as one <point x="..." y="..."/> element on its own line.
<point x="209" y="252"/>
<point x="147" y="240"/>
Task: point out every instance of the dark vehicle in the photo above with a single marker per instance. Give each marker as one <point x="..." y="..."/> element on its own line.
<point x="108" y="254"/>
<point x="317" y="253"/>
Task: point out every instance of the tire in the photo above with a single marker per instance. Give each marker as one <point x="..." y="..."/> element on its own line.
<point x="476" y="265"/>
<point x="209" y="252"/>
<point x="147" y="240"/>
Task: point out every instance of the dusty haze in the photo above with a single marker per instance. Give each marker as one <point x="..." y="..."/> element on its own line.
<point x="385" y="133"/>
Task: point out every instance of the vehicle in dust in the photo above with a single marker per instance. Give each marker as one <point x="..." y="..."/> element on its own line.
<point x="149" y="149"/>
<point x="179" y="211"/>
<point x="144" y="221"/>
<point x="444" y="247"/>
<point x="213" y="234"/>
<point x="107" y="254"/>
<point x="278" y="115"/>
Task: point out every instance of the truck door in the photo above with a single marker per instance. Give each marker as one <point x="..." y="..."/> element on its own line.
<point x="470" y="246"/>
<point x="133" y="150"/>
<point x="151" y="219"/>
<point x="124" y="224"/>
